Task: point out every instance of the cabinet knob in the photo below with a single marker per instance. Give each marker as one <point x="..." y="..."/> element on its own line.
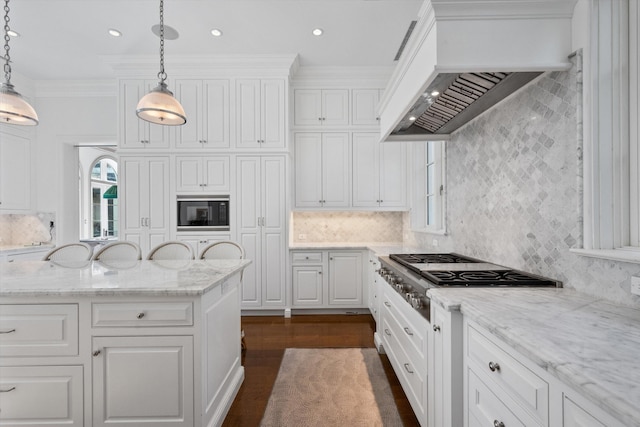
<point x="494" y="366"/>
<point x="408" y="331"/>
<point x="497" y="423"/>
<point x="319" y="272"/>
<point x="387" y="304"/>
<point x="140" y="315"/>
<point x="436" y="328"/>
<point x="407" y="367"/>
<point x="386" y="331"/>
<point x="96" y="353"/>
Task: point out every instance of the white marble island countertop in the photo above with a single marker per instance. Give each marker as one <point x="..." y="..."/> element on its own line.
<point x="94" y="278"/>
<point x="587" y="343"/>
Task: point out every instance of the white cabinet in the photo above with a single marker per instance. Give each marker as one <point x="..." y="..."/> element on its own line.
<point x="134" y="132"/>
<point x="127" y="387"/>
<point x="308" y="288"/>
<point x="364" y="107"/>
<point x="41" y="395"/>
<point x="261" y="220"/>
<point x="574" y="415"/>
<point x="372" y="284"/>
<point x="404" y="340"/>
<point x="145" y="200"/>
<point x="345" y="279"/>
<point x="379" y="172"/>
<point x="322" y="166"/>
<point x="445" y="368"/>
<point x="199" y="241"/>
<point x="15" y="172"/>
<point x="210" y="174"/>
<point x="321" y="107"/>
<point x="206" y="104"/>
<point x="260" y="113"/>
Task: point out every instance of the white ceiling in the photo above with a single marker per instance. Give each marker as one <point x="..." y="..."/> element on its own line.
<point x="67" y="39"/>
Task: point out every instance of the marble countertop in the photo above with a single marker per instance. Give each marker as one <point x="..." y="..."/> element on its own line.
<point x="20" y="249"/>
<point x="380" y="248"/>
<point x="94" y="278"/>
<point x="587" y="343"/>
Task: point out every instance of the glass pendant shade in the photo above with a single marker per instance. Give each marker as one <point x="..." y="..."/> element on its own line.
<point x="159" y="106"/>
<point x="14" y="109"/>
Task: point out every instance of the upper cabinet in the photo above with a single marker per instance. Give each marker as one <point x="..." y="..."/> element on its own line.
<point x="206" y="104"/>
<point x="260" y="113"/>
<point x="321" y="107"/>
<point x="134" y="132"/>
<point x="15" y="172"/>
<point x="197" y="174"/>
<point x="364" y="107"/>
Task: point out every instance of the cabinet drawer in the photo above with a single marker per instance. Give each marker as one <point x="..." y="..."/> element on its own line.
<point x="306" y="257"/>
<point x="41" y="395"/>
<point x="526" y="388"/>
<point x="486" y="409"/>
<point x="411" y="327"/>
<point x="142" y="314"/>
<point x="38" y="330"/>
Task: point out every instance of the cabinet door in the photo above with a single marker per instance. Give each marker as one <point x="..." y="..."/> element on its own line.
<point x="189" y="93"/>
<point x="273" y="202"/>
<point x="215" y="114"/>
<point x="393" y="174"/>
<point x="364" y="107"/>
<point x="307" y="107"/>
<point x="41" y="395"/>
<point x="135" y="132"/>
<point x="199" y="242"/>
<point x="575" y="416"/>
<point x="345" y="278"/>
<point x="366" y="173"/>
<point x="127" y="387"/>
<point x="15" y="172"/>
<point x="189" y="174"/>
<point x="335" y="169"/>
<point x="272" y="115"/>
<point x="216" y="174"/>
<point x="248" y="113"/>
<point x="308" y="173"/>
<point x="335" y="107"/>
<point x="307" y="286"/>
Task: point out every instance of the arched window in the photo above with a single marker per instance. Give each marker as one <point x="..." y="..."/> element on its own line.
<point x="104" y="198"/>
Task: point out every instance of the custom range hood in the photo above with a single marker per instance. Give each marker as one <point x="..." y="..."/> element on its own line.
<point x="464" y="56"/>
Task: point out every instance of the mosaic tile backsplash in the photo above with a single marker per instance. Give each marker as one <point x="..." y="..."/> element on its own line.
<point x="17" y="230"/>
<point x="352" y="227"/>
<point x="514" y="186"/>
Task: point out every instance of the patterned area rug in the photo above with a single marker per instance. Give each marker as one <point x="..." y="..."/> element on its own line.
<point x="331" y="387"/>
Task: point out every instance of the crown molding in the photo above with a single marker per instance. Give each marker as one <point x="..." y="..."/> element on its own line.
<point x="75" y="88"/>
<point x="347" y="76"/>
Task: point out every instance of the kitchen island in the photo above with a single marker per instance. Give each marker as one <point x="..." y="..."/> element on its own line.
<point x="132" y="343"/>
<point x="545" y="356"/>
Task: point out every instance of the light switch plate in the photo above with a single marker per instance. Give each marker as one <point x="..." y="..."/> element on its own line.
<point x="635" y="285"/>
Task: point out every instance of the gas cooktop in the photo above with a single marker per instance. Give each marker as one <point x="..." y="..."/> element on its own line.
<point x="451" y="269"/>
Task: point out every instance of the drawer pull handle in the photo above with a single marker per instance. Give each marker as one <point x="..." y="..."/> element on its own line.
<point x="7" y="391"/>
<point x="8" y="332"/>
<point x="386" y="331"/>
<point x="497" y="423"/>
<point x="96" y="353"/>
<point x="387" y="304"/>
<point x="494" y="366"/>
<point x="140" y="315"/>
<point x="406" y="366"/>
<point x="408" y="331"/>
<point x="436" y="328"/>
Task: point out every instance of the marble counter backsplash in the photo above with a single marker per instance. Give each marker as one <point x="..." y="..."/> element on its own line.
<point x="321" y="227"/>
<point x="514" y="190"/>
<point x="22" y="229"/>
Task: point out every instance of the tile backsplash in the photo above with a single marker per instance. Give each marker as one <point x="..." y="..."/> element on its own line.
<point x="19" y="229"/>
<point x="514" y="190"/>
<point x="352" y="227"/>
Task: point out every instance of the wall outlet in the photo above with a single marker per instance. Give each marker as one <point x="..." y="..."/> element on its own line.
<point x="302" y="236"/>
<point x="635" y="285"/>
<point x="434" y="243"/>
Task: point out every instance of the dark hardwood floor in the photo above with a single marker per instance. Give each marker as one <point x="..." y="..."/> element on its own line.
<point x="267" y="337"/>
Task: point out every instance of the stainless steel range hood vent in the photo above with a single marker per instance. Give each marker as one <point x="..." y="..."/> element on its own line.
<point x="465" y="96"/>
<point x="473" y="54"/>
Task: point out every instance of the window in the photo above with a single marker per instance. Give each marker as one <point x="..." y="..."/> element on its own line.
<point x="611" y="136"/>
<point x="428" y="201"/>
<point x="104" y="212"/>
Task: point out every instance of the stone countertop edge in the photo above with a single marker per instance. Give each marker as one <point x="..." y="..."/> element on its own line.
<point x="22" y="249"/>
<point x="178" y="286"/>
<point x="590" y="344"/>
<point x="380" y="248"/>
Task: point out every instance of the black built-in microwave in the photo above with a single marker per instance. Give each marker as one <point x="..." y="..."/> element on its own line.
<point x="203" y="213"/>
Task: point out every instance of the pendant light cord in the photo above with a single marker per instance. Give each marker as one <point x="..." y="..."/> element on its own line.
<point x="7" y="58"/>
<point x="161" y="75"/>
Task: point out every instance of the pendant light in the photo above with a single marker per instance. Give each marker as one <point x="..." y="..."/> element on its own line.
<point x="159" y="106"/>
<point x="13" y="108"/>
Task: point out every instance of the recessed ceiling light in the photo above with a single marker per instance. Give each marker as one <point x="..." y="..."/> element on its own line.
<point x="216" y="32"/>
<point x="317" y="32"/>
<point x="412" y="118"/>
<point x="13" y="33"/>
<point x="170" y="33"/>
<point x="435" y="93"/>
<point x="113" y="32"/>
